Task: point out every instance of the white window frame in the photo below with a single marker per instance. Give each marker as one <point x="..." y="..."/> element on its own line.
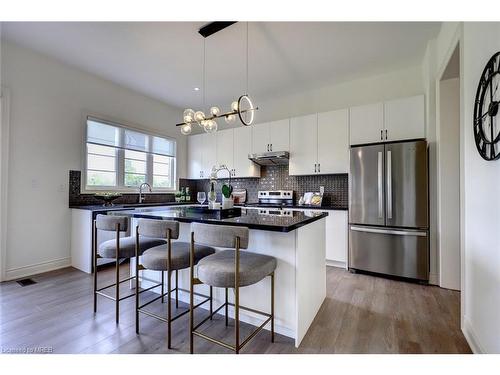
<point x="120" y="160"/>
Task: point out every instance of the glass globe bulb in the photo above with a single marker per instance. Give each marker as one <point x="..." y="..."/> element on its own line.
<point x="199" y="116"/>
<point x="186" y="129"/>
<point x="210" y="126"/>
<point x="188" y="115"/>
<point x="230" y="119"/>
<point x="215" y="111"/>
<point x="234" y="106"/>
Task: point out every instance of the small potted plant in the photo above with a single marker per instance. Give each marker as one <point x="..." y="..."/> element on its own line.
<point x="227" y="196"/>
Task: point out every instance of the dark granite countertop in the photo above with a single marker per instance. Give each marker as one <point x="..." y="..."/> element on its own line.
<point x="249" y="218"/>
<point x="121" y="207"/>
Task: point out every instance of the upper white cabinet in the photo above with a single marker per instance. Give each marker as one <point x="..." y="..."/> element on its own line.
<point x="404" y="118"/>
<point x="333" y="142"/>
<point x="229" y="147"/>
<point x="271" y="136"/>
<point x="225" y="148"/>
<point x="319" y="144"/>
<point x="303" y="145"/>
<point x="202" y="155"/>
<point x="243" y="167"/>
<point x="194" y="156"/>
<point x="393" y="120"/>
<point x="367" y="123"/>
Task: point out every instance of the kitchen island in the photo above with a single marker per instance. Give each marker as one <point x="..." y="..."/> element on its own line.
<point x="297" y="241"/>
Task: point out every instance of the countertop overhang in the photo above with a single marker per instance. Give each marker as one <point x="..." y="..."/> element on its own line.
<point x="249" y="218"/>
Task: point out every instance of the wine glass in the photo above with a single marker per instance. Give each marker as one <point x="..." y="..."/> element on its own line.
<point x="201" y="197"/>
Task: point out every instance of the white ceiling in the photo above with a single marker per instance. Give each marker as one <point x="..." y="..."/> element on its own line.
<point x="164" y="60"/>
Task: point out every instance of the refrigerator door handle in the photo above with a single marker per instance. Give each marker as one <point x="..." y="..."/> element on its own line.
<point x="390" y="231"/>
<point x="388" y="172"/>
<point x="380" y="189"/>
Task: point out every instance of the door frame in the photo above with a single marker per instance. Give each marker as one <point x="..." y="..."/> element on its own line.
<point x="4" y="173"/>
<point x="456" y="41"/>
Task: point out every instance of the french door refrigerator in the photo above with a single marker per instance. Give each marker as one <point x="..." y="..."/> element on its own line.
<point x="388" y="209"/>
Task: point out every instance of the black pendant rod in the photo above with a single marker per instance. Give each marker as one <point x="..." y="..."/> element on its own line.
<point x="214" y="27"/>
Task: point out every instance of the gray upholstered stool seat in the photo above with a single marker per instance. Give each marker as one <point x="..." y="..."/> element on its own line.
<point x="156" y="258"/>
<point x="107" y="249"/>
<point x="218" y="269"/>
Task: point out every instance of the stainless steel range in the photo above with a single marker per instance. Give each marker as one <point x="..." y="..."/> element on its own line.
<point x="274" y="199"/>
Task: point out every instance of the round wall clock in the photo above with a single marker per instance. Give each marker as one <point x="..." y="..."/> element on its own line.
<point x="486" y="108"/>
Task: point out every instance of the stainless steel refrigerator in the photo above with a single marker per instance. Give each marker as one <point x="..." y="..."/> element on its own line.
<point x="388" y="209"/>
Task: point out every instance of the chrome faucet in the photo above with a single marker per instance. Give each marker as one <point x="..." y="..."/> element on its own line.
<point x="141" y="197"/>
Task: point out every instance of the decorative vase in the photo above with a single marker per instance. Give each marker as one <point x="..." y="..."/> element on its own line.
<point x="227" y="202"/>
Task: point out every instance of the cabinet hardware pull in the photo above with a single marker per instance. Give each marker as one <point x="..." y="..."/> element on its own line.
<point x="271" y="146"/>
<point x="319" y="167"/>
<point x="386" y="134"/>
<point x="381" y="135"/>
<point x="315" y="168"/>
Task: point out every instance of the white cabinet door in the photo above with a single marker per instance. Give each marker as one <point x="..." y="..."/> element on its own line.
<point x="366" y="123"/>
<point x="225" y="148"/>
<point x="260" y="138"/>
<point x="243" y="167"/>
<point x="194" y="156"/>
<point x="209" y="153"/>
<point x="303" y="145"/>
<point x="333" y="142"/>
<point x="336" y="238"/>
<point x="405" y="118"/>
<point x="279" y="135"/>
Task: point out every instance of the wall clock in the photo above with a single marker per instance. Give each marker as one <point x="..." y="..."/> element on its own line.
<point x="486" y="108"/>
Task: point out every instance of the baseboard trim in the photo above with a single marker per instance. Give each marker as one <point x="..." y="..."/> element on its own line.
<point x="471" y="337"/>
<point x="335" y="263"/>
<point x="33" y="269"/>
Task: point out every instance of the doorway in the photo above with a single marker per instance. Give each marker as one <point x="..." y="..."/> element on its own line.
<point x="448" y="168"/>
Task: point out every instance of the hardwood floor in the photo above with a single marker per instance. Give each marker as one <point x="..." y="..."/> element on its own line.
<point x="361" y="314"/>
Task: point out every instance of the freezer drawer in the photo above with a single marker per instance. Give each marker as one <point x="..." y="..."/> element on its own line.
<point x="389" y="251"/>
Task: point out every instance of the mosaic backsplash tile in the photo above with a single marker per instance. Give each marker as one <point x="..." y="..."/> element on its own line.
<point x="272" y="178"/>
<point x="78" y="199"/>
<point x="277" y="178"/>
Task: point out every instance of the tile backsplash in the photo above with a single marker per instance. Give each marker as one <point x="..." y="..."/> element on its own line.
<point x="76" y="198"/>
<point x="277" y="178"/>
<point x="272" y="178"/>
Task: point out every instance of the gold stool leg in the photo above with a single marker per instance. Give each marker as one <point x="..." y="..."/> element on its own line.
<point x="162" y="286"/>
<point x="191" y="299"/>
<point x="272" y="307"/>
<point x="117" y="290"/>
<point x="237" y="318"/>
<point x="211" y="302"/>
<point x="94" y="256"/>
<point x="176" y="289"/>
<point x="227" y="308"/>
<point x="169" y="309"/>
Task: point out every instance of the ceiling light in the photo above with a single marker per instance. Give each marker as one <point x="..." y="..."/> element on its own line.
<point x="243" y="107"/>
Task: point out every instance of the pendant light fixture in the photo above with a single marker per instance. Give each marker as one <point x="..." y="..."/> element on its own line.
<point x="243" y="107"/>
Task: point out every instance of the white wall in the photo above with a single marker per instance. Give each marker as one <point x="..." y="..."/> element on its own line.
<point x="401" y="83"/>
<point x="482" y="202"/>
<point x="48" y="101"/>
<point x="448" y="138"/>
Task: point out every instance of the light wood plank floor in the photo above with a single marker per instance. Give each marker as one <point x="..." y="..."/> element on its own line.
<point x="361" y="314"/>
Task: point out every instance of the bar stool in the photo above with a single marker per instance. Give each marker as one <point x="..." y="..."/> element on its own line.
<point x="229" y="269"/>
<point x="172" y="256"/>
<point x="118" y="249"/>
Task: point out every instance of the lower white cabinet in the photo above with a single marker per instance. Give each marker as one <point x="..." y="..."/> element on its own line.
<point x="336" y="237"/>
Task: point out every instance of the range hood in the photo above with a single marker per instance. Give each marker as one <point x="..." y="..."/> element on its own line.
<point x="270" y="158"/>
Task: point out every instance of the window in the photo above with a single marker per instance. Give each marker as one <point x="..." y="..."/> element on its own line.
<point x="119" y="158"/>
